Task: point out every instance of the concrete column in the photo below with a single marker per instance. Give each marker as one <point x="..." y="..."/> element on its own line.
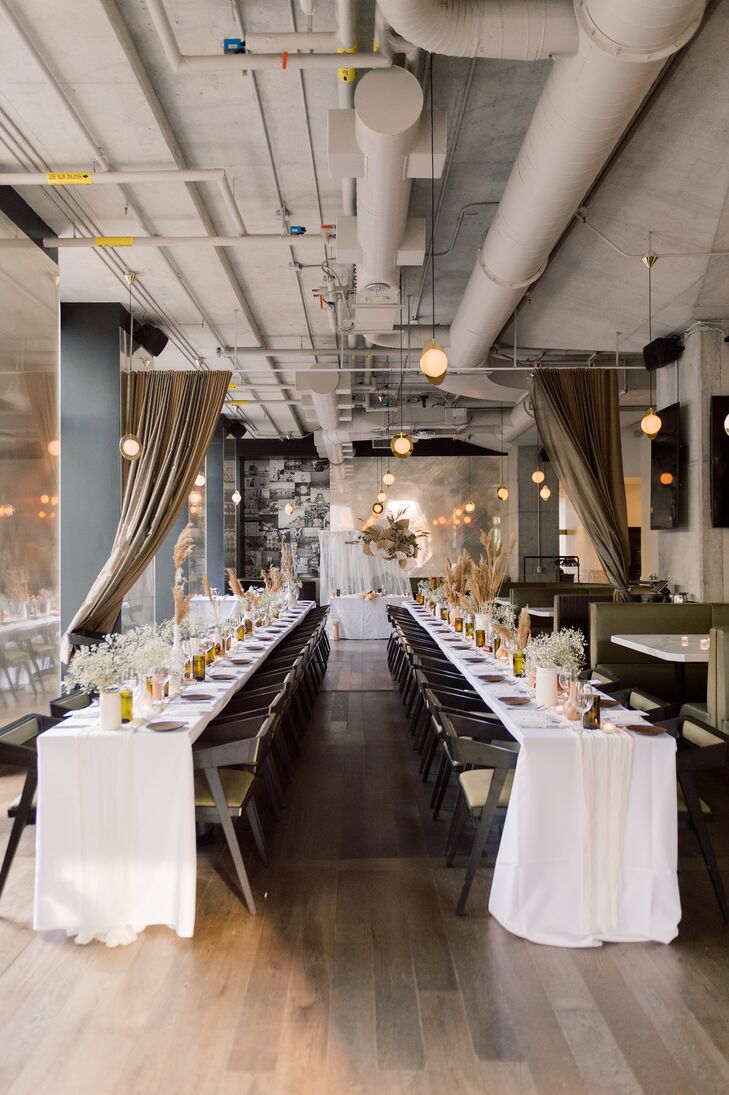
<point x="695" y="556"/>
<point x="538" y="521"/>
<point x="214" y="513"/>
<point x="90" y="471"/>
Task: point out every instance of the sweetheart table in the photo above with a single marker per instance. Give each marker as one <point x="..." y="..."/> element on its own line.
<point x="589" y="848"/>
<point x="360" y="618"/>
<point x="115" y="828"/>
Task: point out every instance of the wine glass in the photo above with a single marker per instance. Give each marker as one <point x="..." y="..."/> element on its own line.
<point x="583" y="696"/>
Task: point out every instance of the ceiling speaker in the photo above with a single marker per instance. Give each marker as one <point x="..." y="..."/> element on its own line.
<point x="150" y="338"/>
<point x="661" y="351"/>
<point x="235" y="428"/>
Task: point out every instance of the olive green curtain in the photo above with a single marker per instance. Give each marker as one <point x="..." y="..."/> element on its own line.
<point x="174" y="415"/>
<point x="578" y="418"/>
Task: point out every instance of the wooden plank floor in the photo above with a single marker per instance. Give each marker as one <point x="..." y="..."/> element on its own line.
<point x="357" y="976"/>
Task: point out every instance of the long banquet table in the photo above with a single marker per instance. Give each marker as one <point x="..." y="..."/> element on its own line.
<point x="115" y="830"/>
<point x="549" y="879"/>
<point x="360" y="618"/>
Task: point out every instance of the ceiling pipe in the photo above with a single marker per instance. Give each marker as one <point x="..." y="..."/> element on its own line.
<point x="521" y="30"/>
<point x="249" y="240"/>
<point x="242" y="62"/>
<point x="588" y="101"/>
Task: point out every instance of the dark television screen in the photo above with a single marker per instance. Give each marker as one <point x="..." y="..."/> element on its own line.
<point x="666" y="470"/>
<point x="719" y="462"/>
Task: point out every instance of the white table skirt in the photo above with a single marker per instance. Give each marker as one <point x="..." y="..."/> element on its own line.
<point x="363" y="619"/>
<point x="539" y="877"/>
<point x="117" y="853"/>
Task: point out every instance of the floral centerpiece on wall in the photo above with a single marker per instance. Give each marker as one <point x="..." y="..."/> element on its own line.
<point x="393" y="541"/>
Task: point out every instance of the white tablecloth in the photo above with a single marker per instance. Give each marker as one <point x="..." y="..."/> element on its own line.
<point x="363" y="619"/>
<point x="543" y="870"/>
<point x="200" y="606"/>
<point x="115" y="850"/>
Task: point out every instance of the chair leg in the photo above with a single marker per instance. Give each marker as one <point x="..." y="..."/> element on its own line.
<point x="24" y="807"/>
<point x="454" y="830"/>
<point x="268" y="778"/>
<point x="255" y="823"/>
<point x="216" y="790"/>
<point x="430" y="756"/>
<point x="487" y="816"/>
<point x="707" y="848"/>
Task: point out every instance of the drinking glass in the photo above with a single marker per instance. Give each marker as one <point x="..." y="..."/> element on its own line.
<point x="583" y="697"/>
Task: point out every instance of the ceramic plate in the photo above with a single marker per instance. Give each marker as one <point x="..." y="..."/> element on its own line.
<point x="222" y="677"/>
<point x="490" y="678"/>
<point x="514" y="701"/>
<point x="196" y="697"/>
<point x="161" y="725"/>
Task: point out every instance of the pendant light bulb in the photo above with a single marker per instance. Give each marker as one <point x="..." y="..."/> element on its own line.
<point x="200" y="480"/>
<point x="378" y="508"/>
<point x="433" y="361"/>
<point x="545" y="493"/>
<point x="651" y="424"/>
<point x="382" y="497"/>
<point x="402" y="445"/>
<point x="538" y="476"/>
<point x="288" y="508"/>
<point x="130" y="447"/>
<point x="388" y="478"/>
<point x="470" y="507"/>
<point x="236" y="497"/>
<point x="726" y="425"/>
<point x="502" y="493"/>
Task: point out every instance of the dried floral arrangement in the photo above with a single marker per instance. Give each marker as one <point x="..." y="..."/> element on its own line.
<point x="181" y="552"/>
<point x="393" y="541"/>
<point x="272" y="579"/>
<point x="17" y="584"/>
<point x="288" y="567"/>
<point x="523" y="629"/>
<point x="235" y="587"/>
<point x="455" y="578"/>
<point x="485" y="576"/>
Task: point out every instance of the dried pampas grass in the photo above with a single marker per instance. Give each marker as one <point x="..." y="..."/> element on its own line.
<point x="455" y="578"/>
<point x="182" y="550"/>
<point x="181" y="602"/>
<point x="485" y="576"/>
<point x="236" y="587"/>
<point x="523" y="630"/>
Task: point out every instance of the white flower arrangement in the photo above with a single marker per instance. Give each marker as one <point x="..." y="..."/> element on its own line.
<point x="103" y="667"/>
<point x="563" y="650"/>
<point x="503" y="616"/>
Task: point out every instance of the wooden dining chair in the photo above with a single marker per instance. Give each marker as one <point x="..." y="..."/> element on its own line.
<point x="700" y="748"/>
<point x="650" y="707"/>
<point x="485" y="780"/>
<point x="224" y="791"/>
<point x="70" y="701"/>
<point x="18" y="749"/>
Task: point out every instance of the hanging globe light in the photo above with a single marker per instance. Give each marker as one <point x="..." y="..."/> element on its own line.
<point x="470" y="507"/>
<point x="538" y="476"/>
<point x="382" y="497"/>
<point x="378" y="508"/>
<point x="651" y="424"/>
<point x="726" y="424"/>
<point x="388" y="478"/>
<point x="545" y="493"/>
<point x="236" y="497"/>
<point x="467" y="520"/>
<point x="54" y="447"/>
<point x="288" y="508"/>
<point x="402" y="445"/>
<point x="200" y="480"/>
<point x="130" y="447"/>
<point x="502" y="493"/>
<point x="433" y="361"/>
<point x="665" y="478"/>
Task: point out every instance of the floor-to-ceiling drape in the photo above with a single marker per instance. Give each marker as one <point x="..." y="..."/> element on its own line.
<point x="578" y="418"/>
<point x="344" y="565"/>
<point x="174" y="414"/>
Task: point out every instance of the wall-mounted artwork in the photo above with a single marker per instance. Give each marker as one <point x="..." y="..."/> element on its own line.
<point x="269" y="486"/>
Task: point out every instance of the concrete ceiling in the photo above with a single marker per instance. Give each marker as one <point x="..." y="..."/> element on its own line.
<point x="116" y="93"/>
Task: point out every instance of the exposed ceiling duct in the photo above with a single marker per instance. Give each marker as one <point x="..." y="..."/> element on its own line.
<point x="587" y="103"/>
<point x="384" y="142"/>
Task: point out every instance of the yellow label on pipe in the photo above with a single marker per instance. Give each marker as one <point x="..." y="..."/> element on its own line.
<point x="114" y="241"/>
<point x="347" y="75"/>
<point x="70" y="178"/>
<point x="237" y="402"/>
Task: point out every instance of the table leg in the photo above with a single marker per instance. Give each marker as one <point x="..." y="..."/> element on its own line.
<point x="679" y="684"/>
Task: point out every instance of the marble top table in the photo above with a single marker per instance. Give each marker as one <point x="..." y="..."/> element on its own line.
<point x="669" y="648"/>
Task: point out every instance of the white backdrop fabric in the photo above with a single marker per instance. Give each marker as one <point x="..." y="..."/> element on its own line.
<point x="345" y="567"/>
